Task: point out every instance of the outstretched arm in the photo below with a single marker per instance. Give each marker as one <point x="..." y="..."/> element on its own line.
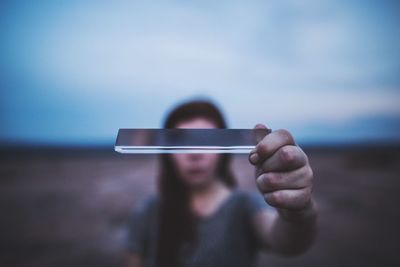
<point x="133" y="260"/>
<point x="284" y="177"/>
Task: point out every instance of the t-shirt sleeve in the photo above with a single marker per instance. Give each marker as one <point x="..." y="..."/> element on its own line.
<point x="255" y="203"/>
<point x="137" y="227"/>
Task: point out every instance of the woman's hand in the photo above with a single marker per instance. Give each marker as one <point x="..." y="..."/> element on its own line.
<point x="284" y="175"/>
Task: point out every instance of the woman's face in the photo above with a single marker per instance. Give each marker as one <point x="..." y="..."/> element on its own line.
<point x="196" y="170"/>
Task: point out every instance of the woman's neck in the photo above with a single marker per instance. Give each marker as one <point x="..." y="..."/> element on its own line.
<point x="205" y="200"/>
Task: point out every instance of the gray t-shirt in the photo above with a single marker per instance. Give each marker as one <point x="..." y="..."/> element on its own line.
<point x="225" y="238"/>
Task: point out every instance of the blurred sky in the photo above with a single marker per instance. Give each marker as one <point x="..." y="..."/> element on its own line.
<point x="73" y="72"/>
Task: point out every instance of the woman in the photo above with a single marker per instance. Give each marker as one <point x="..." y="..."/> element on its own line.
<point x="200" y="219"/>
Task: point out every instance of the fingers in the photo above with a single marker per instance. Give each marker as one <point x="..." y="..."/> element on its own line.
<point x="273" y="181"/>
<point x="284" y="175"/>
<point x="292" y="199"/>
<point x="285" y="159"/>
<point x="270" y="144"/>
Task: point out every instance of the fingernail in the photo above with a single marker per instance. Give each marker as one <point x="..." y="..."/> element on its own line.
<point x="254" y="158"/>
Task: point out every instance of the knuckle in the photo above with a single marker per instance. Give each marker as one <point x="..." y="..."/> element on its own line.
<point x="306" y="195"/>
<point x="287" y="136"/>
<point x="306" y="157"/>
<point x="307" y="174"/>
<point x="303" y="155"/>
<point x="310" y="173"/>
<point x="275" y="198"/>
<point x="266" y="182"/>
<point x="261" y="182"/>
<point x="272" y="179"/>
<point x="288" y="154"/>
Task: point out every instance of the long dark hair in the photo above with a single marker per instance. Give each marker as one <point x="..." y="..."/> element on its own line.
<point x="177" y="223"/>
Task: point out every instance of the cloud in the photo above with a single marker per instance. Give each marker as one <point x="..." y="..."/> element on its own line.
<point x="91" y="65"/>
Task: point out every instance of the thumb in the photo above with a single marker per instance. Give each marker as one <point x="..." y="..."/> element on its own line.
<point x="260" y="131"/>
<point x="260" y="126"/>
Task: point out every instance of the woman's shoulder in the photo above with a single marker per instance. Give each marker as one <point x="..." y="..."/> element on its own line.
<point x="147" y="204"/>
<point x="250" y="201"/>
<point x="246" y="195"/>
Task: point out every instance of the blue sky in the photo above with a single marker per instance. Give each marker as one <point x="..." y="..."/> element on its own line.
<point x="73" y="72"/>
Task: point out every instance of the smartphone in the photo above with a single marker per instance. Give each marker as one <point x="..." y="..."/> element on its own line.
<point x="160" y="141"/>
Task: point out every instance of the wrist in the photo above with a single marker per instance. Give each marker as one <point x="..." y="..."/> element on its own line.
<point x="309" y="212"/>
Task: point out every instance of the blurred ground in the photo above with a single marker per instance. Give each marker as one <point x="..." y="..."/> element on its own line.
<point x="70" y="207"/>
